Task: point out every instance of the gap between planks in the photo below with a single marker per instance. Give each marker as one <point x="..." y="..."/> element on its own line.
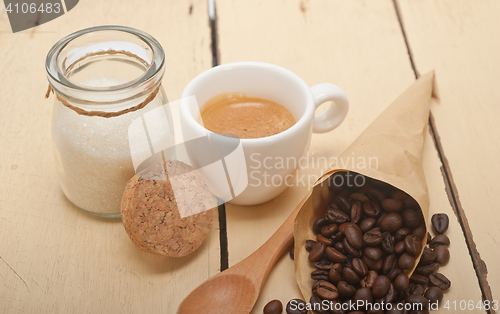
<point x="451" y="188"/>
<point x="224" y="253"/>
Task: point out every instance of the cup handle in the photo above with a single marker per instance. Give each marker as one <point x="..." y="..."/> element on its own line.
<point x="336" y="113"/>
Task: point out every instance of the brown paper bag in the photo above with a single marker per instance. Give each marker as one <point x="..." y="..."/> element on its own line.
<point x="396" y="139"/>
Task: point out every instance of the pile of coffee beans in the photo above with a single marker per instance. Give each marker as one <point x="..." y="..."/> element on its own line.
<point x="366" y="239"/>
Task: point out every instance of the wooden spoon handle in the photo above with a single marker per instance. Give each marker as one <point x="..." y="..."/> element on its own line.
<point x="262" y="261"/>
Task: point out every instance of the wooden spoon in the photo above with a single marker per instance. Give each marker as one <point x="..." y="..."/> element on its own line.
<point x="236" y="289"/>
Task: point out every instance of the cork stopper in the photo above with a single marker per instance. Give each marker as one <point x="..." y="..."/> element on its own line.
<point x="150" y="211"/>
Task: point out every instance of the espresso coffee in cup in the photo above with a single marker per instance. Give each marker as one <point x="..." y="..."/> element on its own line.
<point x="256" y="172"/>
<point x="245" y="117"/>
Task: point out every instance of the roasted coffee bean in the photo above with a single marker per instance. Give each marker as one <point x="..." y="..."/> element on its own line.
<point x="293" y="306"/>
<point x="339" y="246"/>
<point x="345" y="290"/>
<point x="391" y="222"/>
<point x="373" y="264"/>
<point x="415" y="289"/>
<point x="317" y="252"/>
<point x="420" y="232"/>
<point x="329" y="230"/>
<point x="336" y="216"/>
<point x="440" y="280"/>
<point x="369" y="280"/>
<point x="389" y="263"/>
<point x="441" y="239"/>
<point x="323" y="264"/>
<point x="315" y="285"/>
<point x="372" y="209"/>
<point x="358" y="197"/>
<point x="273" y="307"/>
<point x="319" y="223"/>
<point x="372" y="237"/>
<point x="401" y="282"/>
<point x="309" y="244"/>
<point x="327" y="291"/>
<point x="363" y="295"/>
<point x="406" y="261"/>
<point x="376" y="194"/>
<point x="320" y="274"/>
<point x="394" y="273"/>
<point x="345" y="225"/>
<point x="387" y="244"/>
<point x="440" y="223"/>
<point x="428" y="256"/>
<point x="415" y="298"/>
<point x="409" y="289"/>
<point x="411" y="218"/>
<point x="426" y="270"/>
<point x="321" y="238"/>
<point x="373" y="253"/>
<point x="350" y="275"/>
<point x="434" y="294"/>
<point x="429" y="238"/>
<point x="334" y="255"/>
<point x="367" y="224"/>
<point x="350" y="250"/>
<point x="333" y="204"/>
<point x="337" y="237"/>
<point x="381" y="286"/>
<point x="400" y="296"/>
<point x="418" y="279"/>
<point x="442" y="255"/>
<point x="315" y="302"/>
<point x="359" y="266"/>
<point x="344" y="203"/>
<point x="388" y="298"/>
<point x="356" y="211"/>
<point x="391" y="295"/>
<point x="413" y="245"/>
<point x="400" y="248"/>
<point x="354" y="236"/>
<point x="391" y="205"/>
<point x="401" y="234"/>
<point x="379" y="219"/>
<point x="335" y="273"/>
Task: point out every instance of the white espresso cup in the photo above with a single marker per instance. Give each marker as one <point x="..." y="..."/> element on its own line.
<point x="264" y="174"/>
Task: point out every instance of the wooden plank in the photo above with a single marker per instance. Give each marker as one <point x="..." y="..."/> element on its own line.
<point x="458" y="40"/>
<point x="53" y="257"/>
<point x="359" y="46"/>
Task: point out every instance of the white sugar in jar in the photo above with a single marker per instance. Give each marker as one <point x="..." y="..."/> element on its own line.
<point x="104" y="78"/>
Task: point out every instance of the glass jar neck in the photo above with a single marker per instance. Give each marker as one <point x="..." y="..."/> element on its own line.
<point x="106" y="68"/>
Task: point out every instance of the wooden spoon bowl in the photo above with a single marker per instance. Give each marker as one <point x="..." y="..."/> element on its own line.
<point x="235" y="290"/>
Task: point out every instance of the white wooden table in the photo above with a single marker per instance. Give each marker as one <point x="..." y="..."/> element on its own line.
<point x="57" y="259"/>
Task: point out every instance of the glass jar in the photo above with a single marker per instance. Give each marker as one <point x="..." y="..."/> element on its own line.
<point x="104" y="78"/>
